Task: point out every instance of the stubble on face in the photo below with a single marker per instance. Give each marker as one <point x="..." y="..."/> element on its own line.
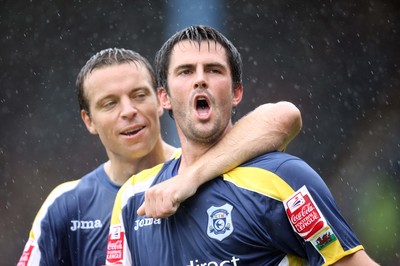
<point x="122" y="100"/>
<point x="208" y="64"/>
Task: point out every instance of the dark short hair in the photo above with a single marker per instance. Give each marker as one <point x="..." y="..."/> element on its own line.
<point x="109" y="57"/>
<point x="197" y="34"/>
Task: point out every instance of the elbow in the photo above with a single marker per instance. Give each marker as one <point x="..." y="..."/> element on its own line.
<point x="285" y="117"/>
<point x="293" y="120"/>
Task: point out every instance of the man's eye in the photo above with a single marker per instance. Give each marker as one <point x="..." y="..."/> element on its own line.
<point x="184" y="72"/>
<point x="214" y="70"/>
<point x="109" y="104"/>
<point x="140" y="95"/>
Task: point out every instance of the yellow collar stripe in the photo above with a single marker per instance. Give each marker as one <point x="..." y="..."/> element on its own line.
<point x="260" y="181"/>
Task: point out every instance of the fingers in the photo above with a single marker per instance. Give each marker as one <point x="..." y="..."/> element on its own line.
<point x="164" y="199"/>
<point x="141" y="211"/>
<point x="158" y="203"/>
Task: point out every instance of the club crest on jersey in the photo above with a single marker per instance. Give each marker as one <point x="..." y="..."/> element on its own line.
<point x="220" y="222"/>
<point x="304" y="215"/>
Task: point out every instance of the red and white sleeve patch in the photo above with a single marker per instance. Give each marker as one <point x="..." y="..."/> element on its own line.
<point x="26" y="254"/>
<point x="304" y="215"/>
<point x="115" y="246"/>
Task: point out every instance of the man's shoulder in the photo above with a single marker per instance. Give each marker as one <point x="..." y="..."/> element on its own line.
<point x="72" y="188"/>
<point x="148" y="173"/>
<point x="141" y="181"/>
<point x="63" y="188"/>
<point x="260" y="175"/>
<point x="271" y="159"/>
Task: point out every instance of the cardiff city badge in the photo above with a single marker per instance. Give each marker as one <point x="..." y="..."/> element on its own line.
<point x="304" y="215"/>
<point x="220" y="222"/>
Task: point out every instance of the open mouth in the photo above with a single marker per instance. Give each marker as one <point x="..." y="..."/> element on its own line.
<point x="202" y="106"/>
<point x="131" y="132"/>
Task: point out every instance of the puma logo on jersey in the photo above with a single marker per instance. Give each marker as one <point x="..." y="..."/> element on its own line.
<point x="76" y="224"/>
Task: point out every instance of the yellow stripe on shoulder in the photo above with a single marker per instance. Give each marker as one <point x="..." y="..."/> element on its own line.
<point x="177" y="153"/>
<point x="146" y="174"/>
<point x="260" y="181"/>
<point x="135" y="184"/>
<point x="54" y="194"/>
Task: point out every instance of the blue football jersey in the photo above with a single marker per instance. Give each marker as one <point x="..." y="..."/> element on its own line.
<point x="72" y="225"/>
<point x="272" y="210"/>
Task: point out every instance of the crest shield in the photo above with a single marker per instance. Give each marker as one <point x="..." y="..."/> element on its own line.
<point x="220" y="221"/>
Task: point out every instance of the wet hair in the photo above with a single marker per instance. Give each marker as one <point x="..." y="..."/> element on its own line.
<point x="104" y="58"/>
<point x="197" y="34"/>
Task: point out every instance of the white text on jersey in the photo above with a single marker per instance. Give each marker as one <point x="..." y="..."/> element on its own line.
<point x="234" y="261"/>
<point x="146" y="222"/>
<point x="85" y="224"/>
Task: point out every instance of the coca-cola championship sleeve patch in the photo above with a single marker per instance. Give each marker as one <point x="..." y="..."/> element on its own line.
<point x="309" y="222"/>
<point x="304" y="215"/>
<point x="115" y="245"/>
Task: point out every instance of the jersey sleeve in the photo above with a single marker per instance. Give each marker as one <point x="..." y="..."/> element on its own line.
<point x="47" y="235"/>
<point x="117" y="247"/>
<point x="314" y="215"/>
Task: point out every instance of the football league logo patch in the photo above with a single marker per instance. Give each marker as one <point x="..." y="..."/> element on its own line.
<point x="220" y="222"/>
<point x="304" y="215"/>
<point x="115" y="246"/>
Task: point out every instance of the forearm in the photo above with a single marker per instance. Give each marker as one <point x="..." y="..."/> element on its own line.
<point x="269" y="127"/>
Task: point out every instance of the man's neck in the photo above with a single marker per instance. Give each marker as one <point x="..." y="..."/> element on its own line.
<point x="191" y="153"/>
<point x="193" y="150"/>
<point x="119" y="171"/>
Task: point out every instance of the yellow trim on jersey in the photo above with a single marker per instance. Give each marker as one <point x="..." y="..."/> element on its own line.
<point x="177" y="153"/>
<point x="296" y="261"/>
<point x="136" y="183"/>
<point x="54" y="194"/>
<point x="260" y="181"/>
<point x="271" y="185"/>
<point x="337" y="249"/>
<point x="145" y="174"/>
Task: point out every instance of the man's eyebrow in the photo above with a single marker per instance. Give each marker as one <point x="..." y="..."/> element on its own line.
<point x="215" y="65"/>
<point x="184" y="66"/>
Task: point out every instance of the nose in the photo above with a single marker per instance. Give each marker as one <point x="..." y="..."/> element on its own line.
<point x="200" y="82"/>
<point x="128" y="108"/>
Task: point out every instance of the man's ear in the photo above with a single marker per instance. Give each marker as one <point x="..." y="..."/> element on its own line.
<point x="237" y="94"/>
<point x="88" y="122"/>
<point x="164" y="98"/>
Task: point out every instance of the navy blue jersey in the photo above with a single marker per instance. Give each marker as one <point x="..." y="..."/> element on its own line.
<point x="72" y="225"/>
<point x="274" y="209"/>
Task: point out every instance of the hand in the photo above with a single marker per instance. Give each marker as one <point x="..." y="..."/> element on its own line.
<point x="163" y="199"/>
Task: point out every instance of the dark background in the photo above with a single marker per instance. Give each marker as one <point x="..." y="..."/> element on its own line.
<point x="337" y="61"/>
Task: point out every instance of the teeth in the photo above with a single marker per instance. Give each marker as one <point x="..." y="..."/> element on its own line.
<point x="133" y="131"/>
